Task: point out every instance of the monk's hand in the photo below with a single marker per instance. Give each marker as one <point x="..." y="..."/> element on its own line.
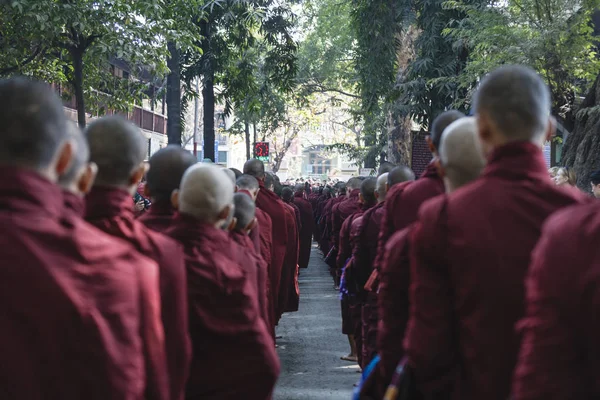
<point x="139" y="206"/>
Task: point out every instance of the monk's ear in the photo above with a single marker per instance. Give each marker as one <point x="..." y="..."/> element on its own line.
<point x="138" y="174"/>
<point x="86" y="181"/>
<point x="65" y="157"/>
<point x="236" y="189"/>
<point x="253" y="224"/>
<point x="361" y="199"/>
<point x="175" y="199"/>
<point x="440" y="168"/>
<point x="432" y="148"/>
<point x="551" y="131"/>
<point x="232" y="224"/>
<point x="224" y="214"/>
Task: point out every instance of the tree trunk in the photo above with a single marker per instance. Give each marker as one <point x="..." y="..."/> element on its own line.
<point x="77" y="58"/>
<point x="208" y="96"/>
<point x="174" y="95"/>
<point x="255" y="139"/>
<point x="247" y="132"/>
<point x="582" y="147"/>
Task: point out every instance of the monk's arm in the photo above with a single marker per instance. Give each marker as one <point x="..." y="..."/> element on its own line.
<point x="393" y="304"/>
<point x="429" y="341"/>
<point x="550" y="365"/>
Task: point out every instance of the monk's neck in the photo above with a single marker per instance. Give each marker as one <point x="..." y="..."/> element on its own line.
<point x="517" y="160"/>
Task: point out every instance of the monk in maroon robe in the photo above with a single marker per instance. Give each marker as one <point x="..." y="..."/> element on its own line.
<point x="166" y="169"/>
<point x="470" y="250"/>
<point x="233" y="356"/>
<point x="270" y="203"/>
<point x="558" y="358"/>
<point x="339" y="213"/>
<point x="308" y="226"/>
<point x="364" y="234"/>
<point x="69" y="292"/>
<point x="261" y="234"/>
<point x="287" y="195"/>
<point x="118" y="148"/>
<point x="352" y="297"/>
<point x="255" y="266"/>
<point x="399" y="215"/>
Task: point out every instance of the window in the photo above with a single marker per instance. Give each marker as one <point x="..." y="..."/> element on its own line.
<point x="222" y="157"/>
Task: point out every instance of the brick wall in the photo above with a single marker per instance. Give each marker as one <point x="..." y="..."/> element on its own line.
<point x="421" y="156"/>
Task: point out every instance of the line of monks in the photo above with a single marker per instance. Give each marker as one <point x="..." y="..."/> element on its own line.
<point x="479" y="280"/>
<point x="95" y="303"/>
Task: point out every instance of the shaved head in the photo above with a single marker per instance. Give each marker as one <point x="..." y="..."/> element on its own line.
<point x="440" y="123"/>
<point x="460" y="154"/>
<point x="33" y="126"/>
<point x="400" y="174"/>
<point x="367" y="190"/>
<point x="205" y="192"/>
<point x="385" y="167"/>
<point x="299" y="188"/>
<point x="166" y="170"/>
<point x="247" y="182"/>
<point x="514" y="101"/>
<point x="287" y="194"/>
<point x="381" y="188"/>
<point x="230" y="174"/>
<point x="81" y="156"/>
<point x="245" y="210"/>
<point x="340" y="188"/>
<point x="255" y="167"/>
<point x="118" y="147"/>
<point x="269" y="181"/>
<point x="354" y="183"/>
<point x="237" y="172"/>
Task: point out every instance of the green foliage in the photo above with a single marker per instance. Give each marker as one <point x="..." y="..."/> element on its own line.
<point x="555" y="37"/>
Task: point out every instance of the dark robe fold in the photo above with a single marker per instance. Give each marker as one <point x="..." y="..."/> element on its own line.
<point x="159" y="217"/>
<point x="289" y="294"/>
<point x="470" y="252"/>
<point x="69" y="296"/>
<point x="559" y="356"/>
<point x="109" y="210"/>
<point x="264" y="232"/>
<point x="341" y="211"/>
<point x="256" y="268"/>
<point x="234" y="356"/>
<point x="271" y="205"/>
<point x="306" y="231"/>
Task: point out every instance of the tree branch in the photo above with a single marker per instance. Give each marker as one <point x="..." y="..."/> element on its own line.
<point x="322" y="89"/>
<point x="28" y="60"/>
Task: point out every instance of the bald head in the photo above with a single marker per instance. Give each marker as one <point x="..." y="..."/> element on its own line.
<point x="247" y="182"/>
<point x="33" y="127"/>
<point x="255" y="168"/>
<point x="367" y="191"/>
<point x="354" y="183"/>
<point x="300" y="188"/>
<point x="385" y="167"/>
<point x="400" y="174"/>
<point x="269" y="181"/>
<point x="381" y="188"/>
<point x="440" y="123"/>
<point x="118" y="148"/>
<point x="514" y="102"/>
<point x="460" y="154"/>
<point x="206" y="193"/>
<point x="166" y="170"/>
<point x="245" y="210"/>
<point x="230" y="174"/>
<point x="287" y="194"/>
<point x="236" y="172"/>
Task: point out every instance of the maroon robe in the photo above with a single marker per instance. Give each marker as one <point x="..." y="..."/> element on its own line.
<point x="289" y="294"/>
<point x="108" y="209"/>
<point x="306" y="231"/>
<point x="364" y="252"/>
<point x="271" y="205"/>
<point x="341" y="211"/>
<point x="234" y="356"/>
<point x="470" y="252"/>
<point x="69" y="296"/>
<point x="265" y="237"/>
<point x="159" y="217"/>
<point x="559" y="356"/>
<point x="256" y="269"/>
<point x="403" y="202"/>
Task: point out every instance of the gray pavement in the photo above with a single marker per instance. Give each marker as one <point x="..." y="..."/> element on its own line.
<point x="312" y="342"/>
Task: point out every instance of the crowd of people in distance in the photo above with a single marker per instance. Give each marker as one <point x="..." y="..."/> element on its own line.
<point x="114" y="290"/>
<point x="481" y="278"/>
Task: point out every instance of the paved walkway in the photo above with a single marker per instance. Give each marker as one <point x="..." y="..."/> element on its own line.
<point x="312" y="342"/>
